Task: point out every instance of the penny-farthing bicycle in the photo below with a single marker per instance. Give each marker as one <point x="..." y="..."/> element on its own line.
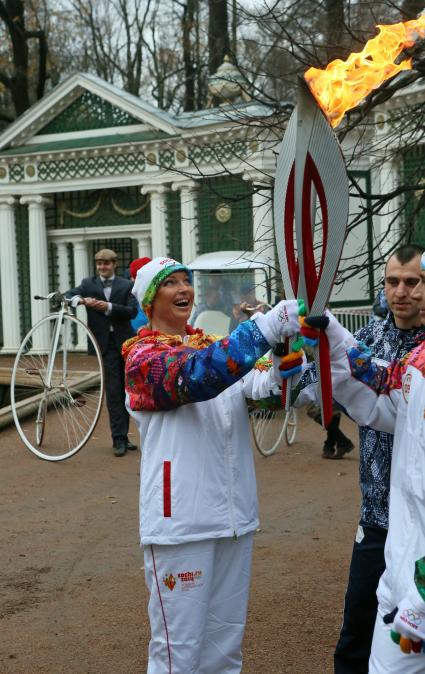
<point x="56" y="394"/>
<point x="269" y="427"/>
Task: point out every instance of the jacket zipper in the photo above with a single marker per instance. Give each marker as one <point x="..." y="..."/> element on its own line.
<point x="230" y="477"/>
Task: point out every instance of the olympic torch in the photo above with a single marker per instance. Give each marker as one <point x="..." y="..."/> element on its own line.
<point x="311" y="195"/>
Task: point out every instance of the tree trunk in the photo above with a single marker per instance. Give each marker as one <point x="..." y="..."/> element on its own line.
<point x="18" y="82"/>
<point x="411" y="8"/>
<point x="218" y="34"/>
<point x="334" y="28"/>
<point x="189" y="67"/>
<point x="234" y="30"/>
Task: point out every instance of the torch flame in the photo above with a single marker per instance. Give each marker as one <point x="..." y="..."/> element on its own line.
<point x="343" y="84"/>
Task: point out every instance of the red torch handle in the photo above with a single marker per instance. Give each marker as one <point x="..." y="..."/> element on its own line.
<point x="325" y="378"/>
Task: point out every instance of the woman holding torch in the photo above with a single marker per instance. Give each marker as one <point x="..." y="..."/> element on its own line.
<point x="198" y="505"/>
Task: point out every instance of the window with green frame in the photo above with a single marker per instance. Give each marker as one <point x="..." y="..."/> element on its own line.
<point x="125" y="248"/>
<point x="414" y="176"/>
<point x="116" y="206"/>
<point x="22" y="245"/>
<point x="225" y="215"/>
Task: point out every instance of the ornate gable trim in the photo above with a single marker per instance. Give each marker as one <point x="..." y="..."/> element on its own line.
<point x="41" y="114"/>
<point x="86" y="113"/>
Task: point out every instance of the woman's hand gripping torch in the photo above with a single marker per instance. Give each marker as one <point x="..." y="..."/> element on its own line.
<point x="309" y="334"/>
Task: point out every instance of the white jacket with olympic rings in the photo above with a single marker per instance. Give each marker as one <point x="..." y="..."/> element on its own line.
<point x="389" y="399"/>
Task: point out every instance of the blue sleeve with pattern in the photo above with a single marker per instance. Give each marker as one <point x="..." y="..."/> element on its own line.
<point x="160" y="378"/>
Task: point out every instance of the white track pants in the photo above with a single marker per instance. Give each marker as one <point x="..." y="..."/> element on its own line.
<point x="386" y="656"/>
<point x="198" y="605"/>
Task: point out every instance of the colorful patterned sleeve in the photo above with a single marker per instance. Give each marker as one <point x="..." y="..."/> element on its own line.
<point x="162" y="377"/>
<point x="381" y="379"/>
<point x="370" y="393"/>
<point x="366" y="391"/>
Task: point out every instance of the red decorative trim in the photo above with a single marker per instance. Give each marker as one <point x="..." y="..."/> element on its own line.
<point x="317" y="181"/>
<point x="325" y="378"/>
<point x="163" y="612"/>
<point x="312" y="278"/>
<point x="289" y="231"/>
<point x="167" y="488"/>
<point x="310" y="274"/>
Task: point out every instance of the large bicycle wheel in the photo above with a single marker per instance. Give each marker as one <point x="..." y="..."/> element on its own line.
<point x="268" y="427"/>
<point x="291" y="426"/>
<point x="56" y="419"/>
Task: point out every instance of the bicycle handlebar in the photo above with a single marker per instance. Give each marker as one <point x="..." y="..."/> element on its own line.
<point x="56" y="295"/>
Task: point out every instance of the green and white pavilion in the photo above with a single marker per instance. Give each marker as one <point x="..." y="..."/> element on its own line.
<point x="90" y="166"/>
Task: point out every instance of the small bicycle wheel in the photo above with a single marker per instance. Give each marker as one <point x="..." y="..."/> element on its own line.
<point x="291" y="426"/>
<point x="55" y="414"/>
<point x="268" y="427"/>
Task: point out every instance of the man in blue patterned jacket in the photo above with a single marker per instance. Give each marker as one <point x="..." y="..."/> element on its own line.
<point x="388" y="340"/>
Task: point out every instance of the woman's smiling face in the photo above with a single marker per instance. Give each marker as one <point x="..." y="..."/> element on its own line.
<point x="173" y="301"/>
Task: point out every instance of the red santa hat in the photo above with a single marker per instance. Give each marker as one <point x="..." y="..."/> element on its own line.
<point x="138" y="264"/>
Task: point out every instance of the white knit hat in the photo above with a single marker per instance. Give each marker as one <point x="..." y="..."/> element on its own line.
<point x="150" y="277"/>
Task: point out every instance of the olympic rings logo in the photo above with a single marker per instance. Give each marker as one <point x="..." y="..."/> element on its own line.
<point x="412" y="616"/>
<point x="283" y="315"/>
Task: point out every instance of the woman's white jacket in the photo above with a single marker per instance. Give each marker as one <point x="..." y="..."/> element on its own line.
<point x="197" y="469"/>
<point x="390" y="399"/>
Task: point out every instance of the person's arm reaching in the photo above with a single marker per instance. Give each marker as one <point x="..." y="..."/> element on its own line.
<point x="163" y="377"/>
<point x="76" y="294"/>
<point x="368" y="392"/>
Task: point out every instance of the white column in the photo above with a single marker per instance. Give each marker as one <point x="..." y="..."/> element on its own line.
<point x="9" y="277"/>
<point x="144" y="247"/>
<point x="63" y="267"/>
<point x="39" y="269"/>
<point x="81" y="261"/>
<point x="189" y="219"/>
<point x="158" y="208"/>
<point x="263" y="233"/>
<point x="81" y="270"/>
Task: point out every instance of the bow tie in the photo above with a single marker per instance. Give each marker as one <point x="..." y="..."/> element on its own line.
<point x="107" y="283"/>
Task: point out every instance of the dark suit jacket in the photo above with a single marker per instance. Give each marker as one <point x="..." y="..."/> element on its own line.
<point x="124" y="308"/>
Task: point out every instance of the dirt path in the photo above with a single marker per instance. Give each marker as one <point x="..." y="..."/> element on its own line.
<point x="72" y="596"/>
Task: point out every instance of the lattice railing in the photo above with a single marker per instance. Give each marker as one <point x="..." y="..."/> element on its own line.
<point x="353" y="318"/>
<point x="86" y="167"/>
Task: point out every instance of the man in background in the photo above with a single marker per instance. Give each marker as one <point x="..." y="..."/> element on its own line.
<point x="388" y="339"/>
<point x="110" y="307"/>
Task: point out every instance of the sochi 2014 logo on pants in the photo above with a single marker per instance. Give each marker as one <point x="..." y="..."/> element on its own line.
<point x="186" y="579"/>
